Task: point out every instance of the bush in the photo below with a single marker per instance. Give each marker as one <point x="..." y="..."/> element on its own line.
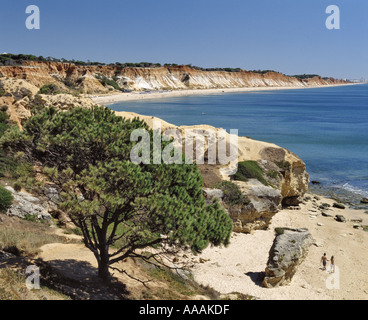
<point x="232" y="193"/>
<point x="250" y="170"/>
<point x="3" y="128"/>
<point x="49" y="89"/>
<point x="3" y="117"/>
<point x="285" y="165"/>
<point x="17" y="186"/>
<point x="6" y="199"/>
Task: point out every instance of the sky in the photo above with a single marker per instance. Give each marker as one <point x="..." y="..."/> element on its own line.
<point x="289" y="36"/>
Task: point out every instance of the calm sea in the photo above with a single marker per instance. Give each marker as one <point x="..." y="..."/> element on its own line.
<point x="326" y="127"/>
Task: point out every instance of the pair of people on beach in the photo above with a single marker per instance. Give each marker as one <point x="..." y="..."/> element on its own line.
<point x="324" y="262"/>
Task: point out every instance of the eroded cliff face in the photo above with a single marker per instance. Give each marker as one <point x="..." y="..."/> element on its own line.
<point x="90" y="79"/>
<point x="20" y="96"/>
<point x="284" y="172"/>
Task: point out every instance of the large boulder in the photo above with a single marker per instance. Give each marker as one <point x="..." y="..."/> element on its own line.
<point x="287" y="252"/>
<point x="264" y="202"/>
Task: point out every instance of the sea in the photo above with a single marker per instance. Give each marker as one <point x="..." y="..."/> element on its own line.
<point x="326" y="127"/>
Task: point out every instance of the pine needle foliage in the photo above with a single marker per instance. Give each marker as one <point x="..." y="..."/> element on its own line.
<point x="86" y="154"/>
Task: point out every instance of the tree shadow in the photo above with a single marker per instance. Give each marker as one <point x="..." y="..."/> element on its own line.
<point x="77" y="279"/>
<point x="256" y="277"/>
<point x="80" y="281"/>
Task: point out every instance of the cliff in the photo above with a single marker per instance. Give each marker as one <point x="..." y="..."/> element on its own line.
<point x="283" y="181"/>
<point x="109" y="79"/>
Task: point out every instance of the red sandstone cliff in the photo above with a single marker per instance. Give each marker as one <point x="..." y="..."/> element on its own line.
<point x="92" y="79"/>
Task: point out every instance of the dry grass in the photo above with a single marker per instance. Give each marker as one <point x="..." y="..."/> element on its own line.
<point x="24" y="238"/>
<point x="13" y="287"/>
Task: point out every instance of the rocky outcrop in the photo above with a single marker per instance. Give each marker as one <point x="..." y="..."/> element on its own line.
<point x="265" y="201"/>
<point x="26" y="205"/>
<point x="283" y="171"/>
<point x="286" y="254"/>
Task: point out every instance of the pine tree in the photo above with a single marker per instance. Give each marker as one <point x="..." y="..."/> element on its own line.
<point x="86" y="154"/>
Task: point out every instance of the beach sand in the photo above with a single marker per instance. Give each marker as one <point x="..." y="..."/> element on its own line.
<point x="134" y="96"/>
<point x="235" y="268"/>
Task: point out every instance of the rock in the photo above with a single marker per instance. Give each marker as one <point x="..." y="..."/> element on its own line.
<point x="287" y="252"/>
<point x="320" y="224"/>
<point x="364" y="200"/>
<point x="340" y="218"/>
<point x="264" y="203"/>
<point x="213" y="193"/>
<point x="324" y="206"/>
<point x="325" y="214"/>
<point x="294" y="208"/>
<point x="338" y="205"/>
<point x="356" y="220"/>
<point x="26" y="205"/>
<point x="52" y="194"/>
<point x="315" y="182"/>
<point x="317" y="244"/>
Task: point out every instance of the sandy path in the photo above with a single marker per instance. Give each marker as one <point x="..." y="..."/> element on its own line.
<point x="235" y="268"/>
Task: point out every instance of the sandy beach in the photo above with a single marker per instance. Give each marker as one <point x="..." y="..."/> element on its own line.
<point x="134" y="96"/>
<point x="235" y="268"/>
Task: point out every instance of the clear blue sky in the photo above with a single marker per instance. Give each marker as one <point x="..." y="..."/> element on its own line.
<point x="284" y="35"/>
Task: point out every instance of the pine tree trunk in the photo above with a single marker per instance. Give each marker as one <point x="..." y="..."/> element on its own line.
<point x="103" y="265"/>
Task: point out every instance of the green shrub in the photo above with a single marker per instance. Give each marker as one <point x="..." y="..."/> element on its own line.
<point x="49" y="89"/>
<point x="17" y="186"/>
<point x="285" y="165"/>
<point x="3" y="128"/>
<point x="6" y="199"/>
<point x="3" y="117"/>
<point x="273" y="174"/>
<point x="232" y="193"/>
<point x="250" y="170"/>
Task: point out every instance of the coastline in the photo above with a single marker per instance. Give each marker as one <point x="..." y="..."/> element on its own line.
<point x="236" y="267"/>
<point x="134" y="96"/>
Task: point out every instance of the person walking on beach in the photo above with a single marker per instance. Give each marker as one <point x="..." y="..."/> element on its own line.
<point x="332" y="267"/>
<point x="324" y="261"/>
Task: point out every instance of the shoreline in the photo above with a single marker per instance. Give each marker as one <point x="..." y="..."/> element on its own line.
<point x="136" y="96"/>
<point x="235" y="268"/>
